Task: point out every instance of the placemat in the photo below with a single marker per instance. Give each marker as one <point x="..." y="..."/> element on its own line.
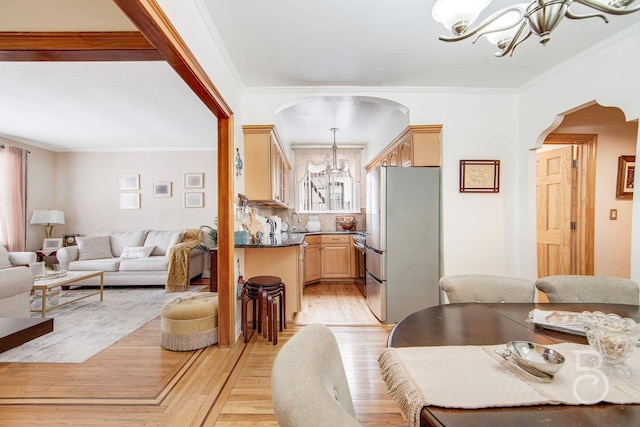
<point x="471" y="377"/>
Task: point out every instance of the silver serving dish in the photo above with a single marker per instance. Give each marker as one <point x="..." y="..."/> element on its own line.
<point x="534" y="359"/>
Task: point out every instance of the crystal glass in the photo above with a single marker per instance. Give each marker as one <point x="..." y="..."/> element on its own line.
<point x="614" y="338"/>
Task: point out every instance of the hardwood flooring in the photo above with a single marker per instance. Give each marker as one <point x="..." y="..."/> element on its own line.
<point x="135" y="382"/>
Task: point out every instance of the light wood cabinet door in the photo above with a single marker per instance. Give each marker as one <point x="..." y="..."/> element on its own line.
<point x="336" y="260"/>
<point x="405" y="153"/>
<point x="393" y="158"/>
<point x="312" y="263"/>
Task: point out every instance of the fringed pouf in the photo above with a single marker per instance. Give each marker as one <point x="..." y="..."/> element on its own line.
<point x="190" y="323"/>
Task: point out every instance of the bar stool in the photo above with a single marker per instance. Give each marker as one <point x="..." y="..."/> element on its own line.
<point x="262" y="291"/>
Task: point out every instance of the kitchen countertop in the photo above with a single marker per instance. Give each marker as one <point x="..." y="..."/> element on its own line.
<point x="293" y="239"/>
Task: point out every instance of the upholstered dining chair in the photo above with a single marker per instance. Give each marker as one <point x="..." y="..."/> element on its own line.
<point x="487" y="288"/>
<point x="594" y="289"/>
<point x="308" y="383"/>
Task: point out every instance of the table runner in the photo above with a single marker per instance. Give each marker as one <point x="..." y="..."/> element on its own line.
<point x="471" y="377"/>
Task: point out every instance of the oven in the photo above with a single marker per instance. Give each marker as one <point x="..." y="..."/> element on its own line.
<point x="359" y="241"/>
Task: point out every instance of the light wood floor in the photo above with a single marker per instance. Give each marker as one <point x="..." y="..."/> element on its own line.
<point x="135" y="382"/>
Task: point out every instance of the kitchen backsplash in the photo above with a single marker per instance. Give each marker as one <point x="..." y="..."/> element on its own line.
<point x="327" y="221"/>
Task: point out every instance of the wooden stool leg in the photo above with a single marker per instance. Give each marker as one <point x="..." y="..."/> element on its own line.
<point x="274" y="320"/>
<point x="263" y="314"/>
<point x="243" y="316"/>
<point x="283" y="304"/>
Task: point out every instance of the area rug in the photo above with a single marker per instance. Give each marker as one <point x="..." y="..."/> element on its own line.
<point x="86" y="327"/>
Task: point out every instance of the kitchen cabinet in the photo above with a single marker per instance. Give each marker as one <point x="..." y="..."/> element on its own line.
<point x="415" y="146"/>
<point x="284" y="262"/>
<point x="336" y="256"/>
<point x="312" y="259"/>
<point x="267" y="167"/>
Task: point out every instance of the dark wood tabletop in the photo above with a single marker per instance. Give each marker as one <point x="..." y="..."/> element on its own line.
<point x="486" y="324"/>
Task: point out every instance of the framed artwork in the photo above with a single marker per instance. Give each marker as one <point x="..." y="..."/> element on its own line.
<point x="626" y="175"/>
<point x="129" y="200"/>
<point x="479" y="176"/>
<point x="52" y="244"/>
<point x="70" y="239"/>
<point x="129" y="182"/>
<point x="194" y="180"/>
<point x="194" y="200"/>
<point x="162" y="189"/>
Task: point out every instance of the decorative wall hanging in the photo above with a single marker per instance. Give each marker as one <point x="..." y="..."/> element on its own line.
<point x="194" y="180"/>
<point x="479" y="176"/>
<point x="626" y="175"/>
<point x="238" y="163"/>
<point x="194" y="200"/>
<point x="129" y="200"/>
<point x="162" y="189"/>
<point x="129" y="182"/>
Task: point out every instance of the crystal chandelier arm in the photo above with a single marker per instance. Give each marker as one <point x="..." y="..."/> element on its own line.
<point x="484" y="24"/>
<point x="609" y="9"/>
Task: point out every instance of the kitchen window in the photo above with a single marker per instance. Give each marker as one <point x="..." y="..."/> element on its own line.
<point x="320" y="190"/>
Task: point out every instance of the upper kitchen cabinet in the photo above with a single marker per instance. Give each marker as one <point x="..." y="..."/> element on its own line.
<point x="416" y="146"/>
<point x="267" y="167"/>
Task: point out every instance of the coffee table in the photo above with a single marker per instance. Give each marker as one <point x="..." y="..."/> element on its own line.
<point x="47" y="285"/>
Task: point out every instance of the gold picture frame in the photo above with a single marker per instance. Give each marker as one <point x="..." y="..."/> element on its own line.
<point x="626" y="176"/>
<point x="479" y="176"/>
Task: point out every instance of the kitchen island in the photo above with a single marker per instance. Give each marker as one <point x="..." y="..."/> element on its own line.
<point x="281" y="256"/>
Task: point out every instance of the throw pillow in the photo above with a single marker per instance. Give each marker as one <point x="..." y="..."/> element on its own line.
<point x="4" y="257"/>
<point x="94" y="247"/>
<point x="133" y="252"/>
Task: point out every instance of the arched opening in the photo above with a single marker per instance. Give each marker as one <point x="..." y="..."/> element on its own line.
<point x="583" y="226"/>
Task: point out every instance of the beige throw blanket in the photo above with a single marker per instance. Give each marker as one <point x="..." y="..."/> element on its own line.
<point x="179" y="257"/>
<point x="472" y="377"/>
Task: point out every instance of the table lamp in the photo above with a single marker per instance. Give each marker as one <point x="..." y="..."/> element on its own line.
<point x="47" y="218"/>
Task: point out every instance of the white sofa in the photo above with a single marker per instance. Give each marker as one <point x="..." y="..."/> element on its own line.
<point x="128" y="258"/>
<point x="15" y="283"/>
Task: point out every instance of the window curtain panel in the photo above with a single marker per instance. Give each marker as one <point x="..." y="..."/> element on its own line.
<point x="317" y="156"/>
<point x="12" y="197"/>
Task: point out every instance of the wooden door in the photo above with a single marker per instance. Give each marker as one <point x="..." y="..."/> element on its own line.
<point x="553" y="224"/>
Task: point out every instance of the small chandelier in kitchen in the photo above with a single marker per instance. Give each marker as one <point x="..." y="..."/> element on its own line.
<point x="512" y="25"/>
<point x="334" y="166"/>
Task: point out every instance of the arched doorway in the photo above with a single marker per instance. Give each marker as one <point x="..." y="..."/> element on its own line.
<point x="601" y="221"/>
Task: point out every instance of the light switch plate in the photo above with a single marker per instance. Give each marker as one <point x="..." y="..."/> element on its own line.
<point x="613" y="214"/>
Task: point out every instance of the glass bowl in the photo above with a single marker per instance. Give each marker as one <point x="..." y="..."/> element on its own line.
<point x="614" y="338"/>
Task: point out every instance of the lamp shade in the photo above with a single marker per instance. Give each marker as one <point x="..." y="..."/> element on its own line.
<point x="48" y="217"/>
<point x="451" y="12"/>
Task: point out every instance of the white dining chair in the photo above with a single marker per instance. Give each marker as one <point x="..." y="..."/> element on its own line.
<point x="308" y="383"/>
<point x="487" y="288"/>
<point x="590" y="289"/>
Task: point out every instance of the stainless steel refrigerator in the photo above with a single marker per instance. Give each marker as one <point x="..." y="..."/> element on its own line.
<point x="403" y="240"/>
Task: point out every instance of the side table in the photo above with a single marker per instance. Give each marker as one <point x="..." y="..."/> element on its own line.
<point x="42" y="253"/>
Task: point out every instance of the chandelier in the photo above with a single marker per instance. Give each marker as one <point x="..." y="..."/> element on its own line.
<point x="512" y="25"/>
<point x="332" y="164"/>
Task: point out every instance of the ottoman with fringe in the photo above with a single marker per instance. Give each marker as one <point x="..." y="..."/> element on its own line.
<point x="190" y="323"/>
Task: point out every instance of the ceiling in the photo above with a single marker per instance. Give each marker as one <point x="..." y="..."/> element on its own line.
<point x="70" y="106"/>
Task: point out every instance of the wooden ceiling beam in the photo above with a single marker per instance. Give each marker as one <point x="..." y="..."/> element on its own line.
<point x="77" y="46"/>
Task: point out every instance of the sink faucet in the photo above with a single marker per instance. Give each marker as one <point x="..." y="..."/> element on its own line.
<point x="296" y="214"/>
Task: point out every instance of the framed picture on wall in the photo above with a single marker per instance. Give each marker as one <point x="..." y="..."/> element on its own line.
<point x="194" y="180"/>
<point x="626" y="176"/>
<point x="479" y="176"/>
<point x="52" y="244"/>
<point x="129" y="182"/>
<point x="129" y="200"/>
<point x="162" y="189"/>
<point x="194" y="200"/>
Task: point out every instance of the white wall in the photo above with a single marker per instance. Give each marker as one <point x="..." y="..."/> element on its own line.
<point x="605" y="76"/>
<point x="88" y="190"/>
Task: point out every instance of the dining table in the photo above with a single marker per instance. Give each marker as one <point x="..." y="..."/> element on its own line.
<point x="480" y="324"/>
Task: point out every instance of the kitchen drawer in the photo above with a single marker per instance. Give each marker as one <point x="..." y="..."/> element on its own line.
<point x="335" y="239"/>
<point x="312" y="239"/>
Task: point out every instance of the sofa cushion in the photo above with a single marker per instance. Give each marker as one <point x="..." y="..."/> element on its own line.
<point x="94" y="247"/>
<point x="162" y="240"/>
<point x="122" y="239"/>
<point x="4" y="257"/>
<point x="133" y="252"/>
<point x="104" y="264"/>
<point x="153" y="263"/>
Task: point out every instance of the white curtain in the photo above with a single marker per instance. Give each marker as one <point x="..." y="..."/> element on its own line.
<point x="12" y="197"/>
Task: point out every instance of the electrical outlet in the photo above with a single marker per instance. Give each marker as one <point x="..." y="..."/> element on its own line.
<point x="613" y="214"/>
